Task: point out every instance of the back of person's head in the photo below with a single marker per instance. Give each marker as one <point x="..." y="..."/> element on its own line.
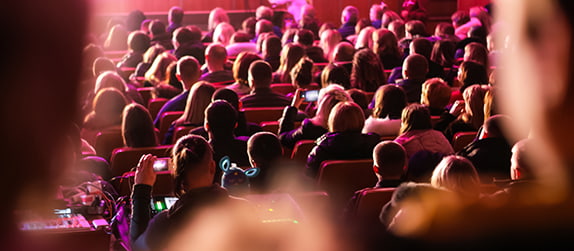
<point x="138" y="41"/>
<point x="192" y="160"/>
<point x="134" y="19"/>
<point x="108" y="106"/>
<point x="260" y="74"/>
<point x="228" y="95"/>
<point x="444" y="30"/>
<point x="157" y="27"/>
<point x="367" y="73"/>
<point x="457" y="174"/>
<point x="365" y="38"/>
<point x="328" y="97"/>
<point x="264" y="149"/>
<point x="491" y="105"/>
<point x="390" y="100"/>
<point x="443" y="52"/>
<point x="216" y="53"/>
<point x="474" y="105"/>
<point x="415" y="117"/>
<point x="199" y="98"/>
<point x="398" y="28"/>
<point x="335" y="74"/>
<point x="350" y="14"/>
<point x="421" y="165"/>
<point x="329" y="39"/>
<point x="220" y="118"/>
<point x="271" y="46"/>
<point x="183" y="35"/>
<point x="343" y="52"/>
<point x="385" y="43"/>
<point x="241" y="66"/>
<point x="435" y="93"/>
<point x="521" y="166"/>
<point x="216" y="16"/>
<point x="239" y="37"/>
<point x="494" y="127"/>
<point x="152" y="52"/>
<point x="346" y="117"/>
<point x="117" y="38"/>
<point x="248" y="26"/>
<point x="376" y="12"/>
<point x="389" y="159"/>
<point x="188" y="70"/>
<point x="478" y="32"/>
<point x="415" y="28"/>
<point x="103" y="64"/>
<point x="290" y="55"/>
<point x="422" y="46"/>
<point x="137" y="127"/>
<point x="476" y="52"/>
<point x="302" y="73"/>
<point x="263" y="26"/>
<point x="326" y="26"/>
<point x="388" y="17"/>
<point x="415" y="67"/>
<point x="156" y="72"/>
<point x="222" y="33"/>
<point x="264" y="12"/>
<point x="360" y="98"/>
<point x="110" y="79"/>
<point x="470" y="73"/>
<point x="304" y="37"/>
<point x="175" y="15"/>
<point x="459" y="18"/>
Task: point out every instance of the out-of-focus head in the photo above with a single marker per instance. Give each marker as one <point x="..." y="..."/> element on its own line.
<point x="222" y="33"/>
<point x="389" y="159"/>
<point x="188" y="69"/>
<point x="264" y="12"/>
<point x="375" y="12"/>
<point x="138" y="41"/>
<point x="390" y="100"/>
<point x="216" y="53"/>
<point x="264" y="149"/>
<point x="459" y="18"/>
<point x="457" y="174"/>
<point x="421" y="46"/>
<point x="302" y="73"/>
<point x="415" y="67"/>
<point x="220" y="118"/>
<point x="156" y="28"/>
<point x="328" y="97"/>
<point x="110" y="79"/>
<point x="241" y="65"/>
<point x="271" y="46"/>
<point x="415" y="117"/>
<point x="304" y="37"/>
<point x="103" y="64"/>
<point x="335" y="74"/>
<point x="343" y="52"/>
<point x="175" y="15"/>
<point x="350" y="14"/>
<point x="137" y="127"/>
<point x="216" y="16"/>
<point x="346" y="117"/>
<point x="365" y="38"/>
<point x="521" y="160"/>
<point x="260" y="74"/>
<point x="435" y="93"/>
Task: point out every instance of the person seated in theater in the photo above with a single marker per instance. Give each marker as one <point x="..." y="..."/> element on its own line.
<point x="265" y="152"/>
<point x="220" y="122"/>
<point x="436" y="96"/>
<point x="138" y="43"/>
<point x="314" y="127"/>
<point x="240" y="42"/>
<point x="215" y="58"/>
<point x="260" y="76"/>
<point x="271" y="51"/>
<point x="159" y="34"/>
<point x="187" y="42"/>
<point x="385" y="118"/>
<point x="416" y="132"/>
<point x="305" y="38"/>
<point x="421" y="46"/>
<point x="193" y="172"/>
<point x="349" y="18"/>
<point x="243" y="128"/>
<point x="376" y="15"/>
<point x="266" y="13"/>
<point x="344" y="141"/>
<point x="175" y="18"/>
<point x="490" y="153"/>
<point x="343" y="55"/>
<point x="188" y="72"/>
<point x="415" y="69"/>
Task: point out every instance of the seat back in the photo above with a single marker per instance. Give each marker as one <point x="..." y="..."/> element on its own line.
<point x="370" y="203"/>
<point x="125" y="158"/>
<point x="302" y="149"/>
<point x="283" y="88"/>
<point x="165" y="122"/>
<point x="163" y="184"/>
<point x="260" y="114"/>
<point x="154" y="105"/>
<point x="434" y="120"/>
<point x="462" y="139"/>
<point x="108" y="140"/>
<point x="181" y="131"/>
<point x="341" y="178"/>
<point x="146" y="93"/>
<point x="273" y="126"/>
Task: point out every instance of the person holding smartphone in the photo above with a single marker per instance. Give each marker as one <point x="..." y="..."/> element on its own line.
<point x="314" y="127"/>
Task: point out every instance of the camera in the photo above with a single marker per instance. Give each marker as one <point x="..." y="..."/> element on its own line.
<point x="310" y="96"/>
<point x="161" y="164"/>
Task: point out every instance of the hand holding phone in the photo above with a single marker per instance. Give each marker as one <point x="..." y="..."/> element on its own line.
<point x="310" y="95"/>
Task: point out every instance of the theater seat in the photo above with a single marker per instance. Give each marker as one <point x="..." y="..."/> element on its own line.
<point x="370" y="202"/>
<point x="146" y="93"/>
<point x="108" y="140"/>
<point x="125" y="158"/>
<point x="301" y="150"/>
<point x="462" y="139"/>
<point x="181" y="131"/>
<point x="154" y="105"/>
<point x="341" y="178"/>
<point x="260" y="114"/>
<point x="165" y="122"/>
<point x="283" y="88"/>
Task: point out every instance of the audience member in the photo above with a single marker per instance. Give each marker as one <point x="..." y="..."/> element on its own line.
<point x="137" y="127"/>
<point x="216" y="16"/>
<point x="436" y="96"/>
<point x="265" y="152"/>
<point x="174" y="18"/>
<point x="187" y="42"/>
<point x="329" y="39"/>
<point x="106" y="113"/>
<point x="376" y="15"/>
<point x="241" y="72"/>
<point x="116" y="39"/>
<point x="344" y="141"/>
<point x="458" y="175"/>
<point x="138" y="43"/>
<point x="290" y="55"/>
<point x="159" y="34"/>
<point x="367" y="73"/>
<point x="260" y="76"/>
<point x="386" y="117"/>
<point x="240" y="42"/>
<point x="222" y="34"/>
<point x="215" y="58"/>
<point x="415" y="69"/>
<point x="335" y="74"/>
<point x="416" y="132"/>
<point x="349" y="18"/>
<point x="271" y="52"/>
<point x="385" y="45"/>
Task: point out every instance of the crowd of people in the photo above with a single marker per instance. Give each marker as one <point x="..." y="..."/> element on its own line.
<point x="389" y="90"/>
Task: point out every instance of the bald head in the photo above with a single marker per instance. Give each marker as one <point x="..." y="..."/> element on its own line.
<point x="344" y="51"/>
<point x="260" y="75"/>
<point x="415" y="67"/>
<point x="188" y="71"/>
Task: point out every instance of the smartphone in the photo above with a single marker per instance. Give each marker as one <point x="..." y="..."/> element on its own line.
<point x="310" y="96"/>
<point x="161" y="164"/>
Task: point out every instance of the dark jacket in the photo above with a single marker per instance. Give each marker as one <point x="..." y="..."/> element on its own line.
<point x="196" y="50"/>
<point x="490" y="157"/>
<point x="154" y="234"/>
<point x="347" y="29"/>
<point x="265" y="98"/>
<point x="340" y="146"/>
<point x="413" y="88"/>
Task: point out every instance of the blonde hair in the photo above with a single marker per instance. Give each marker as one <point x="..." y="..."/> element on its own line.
<point x="365" y="38"/>
<point x="156" y="73"/>
<point x="435" y="93"/>
<point x="197" y="101"/>
<point x="222" y="33"/>
<point x="328" y="98"/>
<point x="216" y="16"/>
<point x="346" y="117"/>
<point x="457" y="174"/>
<point x="329" y="39"/>
<point x="474" y="105"/>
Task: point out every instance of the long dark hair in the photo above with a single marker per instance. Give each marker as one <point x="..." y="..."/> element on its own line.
<point x="367" y="73"/>
<point x="389" y="102"/>
<point x="137" y="127"/>
<point x="415" y="117"/>
<point x="188" y="153"/>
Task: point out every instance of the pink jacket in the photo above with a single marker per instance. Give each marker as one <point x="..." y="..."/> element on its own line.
<point x="430" y="140"/>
